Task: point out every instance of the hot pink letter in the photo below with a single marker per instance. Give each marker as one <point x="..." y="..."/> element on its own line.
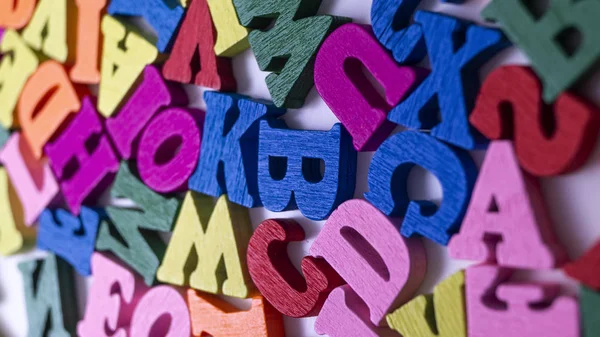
<point x="157" y="302"/>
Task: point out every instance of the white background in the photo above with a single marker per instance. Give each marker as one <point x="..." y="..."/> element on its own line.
<point x="571" y="198"/>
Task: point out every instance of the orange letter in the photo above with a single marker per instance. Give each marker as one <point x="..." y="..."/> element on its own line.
<point x="16" y="13"/>
<point x="87" y="58"/>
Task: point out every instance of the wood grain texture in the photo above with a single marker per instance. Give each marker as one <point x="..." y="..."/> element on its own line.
<point x="287" y="49"/>
<point x="166" y="165"/>
<point x="70" y="237"/>
<point x="47" y="100"/>
<point x="16" y="15"/>
<point x="366" y="249"/>
<point x="47" y="30"/>
<point x="543" y="38"/>
<point x="132" y="234"/>
<point x="163" y="15"/>
<point x="289" y="171"/>
<point x="230" y="137"/>
<point x="589" y="303"/>
<point x="96" y="166"/>
<point x="50" y="297"/>
<point x="292" y="293"/>
<point x="585" y="268"/>
<point x="86" y="67"/>
<point x="388" y="175"/>
<point x="218" y="236"/>
<point x="15" y="236"/>
<point x="549" y="140"/>
<point x="391" y="20"/>
<point x="496" y="307"/>
<point x="151" y="95"/>
<point x="348" y="92"/>
<point x="197" y="37"/>
<point x="32" y="179"/>
<point x="120" y="68"/>
<point x="442" y="314"/>
<point x="14" y="72"/>
<point x="148" y="318"/>
<point x="506" y="222"/>
<point x="451" y="88"/>
<point x="345" y="314"/>
<point x="112" y="298"/>
<point x="212" y="315"/>
<point x="232" y="37"/>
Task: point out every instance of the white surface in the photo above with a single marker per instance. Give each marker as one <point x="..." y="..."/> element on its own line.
<point x="571" y="199"/>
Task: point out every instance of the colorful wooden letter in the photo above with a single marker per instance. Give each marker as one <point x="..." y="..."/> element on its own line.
<point x="151" y="95"/>
<point x="388" y="176"/>
<point x="169" y="149"/>
<point x="219" y="236"/>
<point x="135" y="240"/>
<point x="585" y="269"/>
<point x="350" y="95"/>
<point x="33" y="180"/>
<point x="289" y="172"/>
<point x="157" y="303"/>
<point x="70" y="237"/>
<point x="496" y="308"/>
<point x="14" y="72"/>
<point x="197" y="37"/>
<point x="288" y="49"/>
<point x="364" y="247"/>
<point x="589" y="303"/>
<point x="16" y="14"/>
<point x="121" y="67"/>
<point x="506" y="222"/>
<point x="451" y="88"/>
<point x="276" y="277"/>
<point x="87" y="59"/>
<point x="232" y="37"/>
<point x="547" y="39"/>
<point x="447" y="319"/>
<point x="14" y="235"/>
<point x="211" y="315"/>
<point x="229" y="155"/>
<point x="47" y="100"/>
<point x="547" y="142"/>
<point x="47" y="30"/>
<point x="50" y="297"/>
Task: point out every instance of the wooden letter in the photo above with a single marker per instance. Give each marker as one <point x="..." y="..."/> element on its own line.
<point x="232" y="38"/>
<point x="506" y="222"/>
<point x="548" y="140"/>
<point x="589" y="303"/>
<point x="50" y="295"/>
<point x="16" y="14"/>
<point x="211" y="315"/>
<point x="47" y="30"/>
<point x="14" y="235"/>
<point x="157" y="302"/>
<point x="447" y="319"/>
<point x="121" y="67"/>
<point x="216" y="233"/>
<point x="585" y="269"/>
<point x="364" y="247"/>
<point x="276" y="277"/>
<point x="197" y="37"/>
<point x="87" y="60"/>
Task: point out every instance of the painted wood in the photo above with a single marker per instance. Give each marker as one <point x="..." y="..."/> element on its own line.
<point x="159" y="302"/>
<point x="232" y="37"/>
<point x="542" y="38"/>
<point x="496" y="307"/>
<point x="15" y="236"/>
<point x="86" y="67"/>
<point x="32" y="179"/>
<point x="289" y="172"/>
<point x="506" y="222"/>
<point x="584" y="269"/>
<point x="513" y="93"/>
<point x="364" y="247"/>
<point x="47" y="100"/>
<point x="297" y="33"/>
<point x="447" y="319"/>
<point x="16" y="14"/>
<point x="388" y="175"/>
<point x="214" y="316"/>
<point x="151" y="95"/>
<point x="349" y="94"/>
<point x="14" y="72"/>
<point x="292" y="293"/>
<point x="214" y="232"/>
<point x="46" y="32"/>
<point x="230" y="137"/>
<point x="197" y="36"/>
<point x="166" y="165"/>
<point x="120" y="68"/>
<point x="589" y="302"/>
<point x="96" y="167"/>
<point x="451" y="88"/>
<point x="50" y="297"/>
<point x="133" y="234"/>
